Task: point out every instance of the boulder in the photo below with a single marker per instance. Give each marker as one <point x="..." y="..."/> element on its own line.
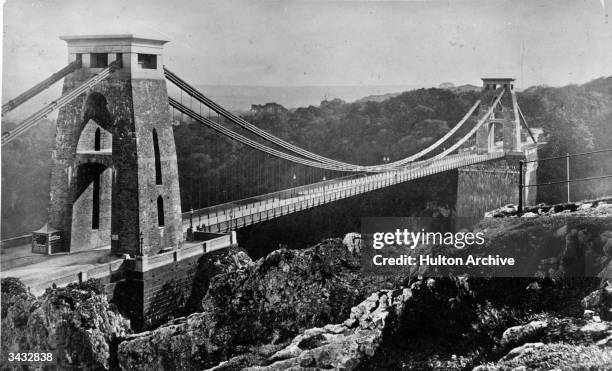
<point x="516" y="335"/>
<point x="596" y="329"/>
<point x="600" y="301"/>
<point x="352" y="241"/>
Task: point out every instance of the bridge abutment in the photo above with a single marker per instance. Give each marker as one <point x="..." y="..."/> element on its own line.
<point x="486" y="186"/>
<point x="156" y="290"/>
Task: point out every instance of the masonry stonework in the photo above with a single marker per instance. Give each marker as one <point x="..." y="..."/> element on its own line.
<point x="152" y="113"/>
<point x="488" y="185"/>
<point x="84" y="236"/>
<point x="155" y="296"/>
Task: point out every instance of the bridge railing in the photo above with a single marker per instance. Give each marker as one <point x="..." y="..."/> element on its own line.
<point x="114" y="270"/>
<point x="255" y="209"/>
<point x="282" y="194"/>
<point x="15" y="241"/>
<point x="108" y="272"/>
<point x="328" y="184"/>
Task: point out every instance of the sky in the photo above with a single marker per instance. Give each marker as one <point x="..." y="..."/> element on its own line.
<point x="281" y="43"/>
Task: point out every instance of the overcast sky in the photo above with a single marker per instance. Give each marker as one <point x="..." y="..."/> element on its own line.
<point x="326" y="43"/>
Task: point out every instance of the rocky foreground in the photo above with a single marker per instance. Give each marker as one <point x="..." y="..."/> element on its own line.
<point x="263" y="305"/>
<point x="315" y="309"/>
<point x="77" y="323"/>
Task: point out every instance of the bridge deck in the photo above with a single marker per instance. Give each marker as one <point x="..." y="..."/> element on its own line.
<point x="233" y="215"/>
<point x="38" y="271"/>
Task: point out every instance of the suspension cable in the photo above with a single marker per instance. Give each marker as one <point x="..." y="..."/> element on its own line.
<point x="36" y="89"/>
<point x="525" y="123"/>
<point x="61" y="102"/>
<point x="439" y="141"/>
<point x="181" y="84"/>
<point x="244" y="140"/>
<point x="471" y="133"/>
<point x="184" y="86"/>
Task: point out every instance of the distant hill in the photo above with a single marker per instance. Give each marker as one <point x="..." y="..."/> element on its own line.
<point x="445" y="85"/>
<point x="466" y="87"/>
<point x="459" y="89"/>
<point x="240" y="98"/>
<point x="377" y="98"/>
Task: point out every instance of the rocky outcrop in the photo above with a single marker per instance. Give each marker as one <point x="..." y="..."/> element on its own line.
<point x="13" y="291"/>
<point x="267" y="302"/>
<point x="76" y="323"/>
<point x="595" y="208"/>
<point x="210" y="265"/>
<point x="343" y="346"/>
<point x="555" y="356"/>
<point x="181" y="344"/>
<point x="564" y="245"/>
<point x="448" y="324"/>
<point x="600" y="302"/>
<point x="552" y="343"/>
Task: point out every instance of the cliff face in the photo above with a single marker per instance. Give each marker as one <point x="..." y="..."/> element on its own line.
<point x="267" y="302"/>
<point x="76" y="323"/>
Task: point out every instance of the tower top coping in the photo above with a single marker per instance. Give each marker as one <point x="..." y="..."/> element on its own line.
<point x="490" y="79"/>
<point x="123" y="38"/>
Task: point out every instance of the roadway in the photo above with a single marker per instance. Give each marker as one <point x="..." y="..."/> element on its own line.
<point x="38" y="270"/>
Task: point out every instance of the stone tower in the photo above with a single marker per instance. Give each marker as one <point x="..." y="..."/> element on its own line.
<point x="505" y="115"/>
<point x="489" y="185"/>
<point x="114" y="177"/>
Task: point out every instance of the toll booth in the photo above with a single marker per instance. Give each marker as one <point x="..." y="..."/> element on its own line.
<point x="47" y="240"/>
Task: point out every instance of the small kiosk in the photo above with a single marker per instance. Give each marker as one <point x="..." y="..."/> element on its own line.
<point x="47" y="240"/>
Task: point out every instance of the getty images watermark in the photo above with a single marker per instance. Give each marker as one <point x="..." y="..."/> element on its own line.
<point x="410" y="240"/>
<point x="559" y="247"/>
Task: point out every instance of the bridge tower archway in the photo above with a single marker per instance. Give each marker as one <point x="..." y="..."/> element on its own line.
<point x="91" y="211"/>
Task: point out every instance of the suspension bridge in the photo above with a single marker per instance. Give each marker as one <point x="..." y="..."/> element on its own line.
<point x="114" y="172"/>
<point x="236" y="213"/>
